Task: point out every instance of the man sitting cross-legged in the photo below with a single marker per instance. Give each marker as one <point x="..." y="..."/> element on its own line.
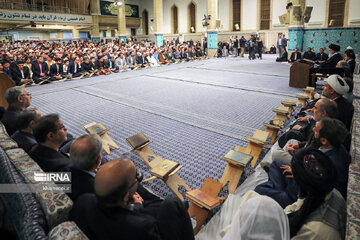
<point x="330" y="133"/>
<point x="50" y="133"/>
<point x="24" y="136"/>
<point x="116" y="211"/>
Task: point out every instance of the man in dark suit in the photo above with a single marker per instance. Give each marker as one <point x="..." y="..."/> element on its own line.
<point x="21" y="74"/>
<point x="24" y="136"/>
<point x="309" y="54"/>
<point x="18" y="99"/>
<point x="85" y="158"/>
<point x="330" y="133"/>
<point x="56" y="70"/>
<point x="281" y="44"/>
<point x="75" y="67"/>
<point x="295" y="56"/>
<point x="120" y="210"/>
<point x="284" y="56"/>
<point x="236" y="46"/>
<point x="321" y="56"/>
<point x="50" y="133"/>
<point x="40" y="69"/>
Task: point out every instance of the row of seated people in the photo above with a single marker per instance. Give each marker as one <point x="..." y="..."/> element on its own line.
<point x="309" y="172"/>
<point x="324" y="64"/>
<point x="58" y="61"/>
<point x="316" y="172"/>
<point x="110" y="193"/>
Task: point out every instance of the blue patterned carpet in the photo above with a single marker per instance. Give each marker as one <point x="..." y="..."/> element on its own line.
<point x="193" y="112"/>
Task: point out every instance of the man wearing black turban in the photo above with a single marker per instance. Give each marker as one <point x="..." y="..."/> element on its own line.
<point x="320" y="211"/>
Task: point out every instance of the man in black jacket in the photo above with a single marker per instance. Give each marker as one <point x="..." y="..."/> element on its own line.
<point x="309" y="54"/>
<point x="242" y="45"/>
<point x="40" y="69"/>
<point x="20" y="74"/>
<point x="56" y="70"/>
<point x="116" y="211"/>
<point x="18" y="99"/>
<point x="295" y="56"/>
<point x="321" y="56"/>
<point x="24" y="136"/>
<point x="50" y="133"/>
<point x="75" y="67"/>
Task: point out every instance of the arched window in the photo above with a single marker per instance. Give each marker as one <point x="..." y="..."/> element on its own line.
<point x="265" y="15"/>
<point x="174" y="19"/>
<point x="145" y="22"/>
<point x="336" y="13"/>
<point x="192" y="17"/>
<point x="236" y="15"/>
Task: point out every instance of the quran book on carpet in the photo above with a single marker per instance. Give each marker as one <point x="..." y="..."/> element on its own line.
<point x="202" y="199"/>
<point x="164" y="168"/>
<point x="237" y="158"/>
<point x="97" y="128"/>
<point x="138" y="141"/>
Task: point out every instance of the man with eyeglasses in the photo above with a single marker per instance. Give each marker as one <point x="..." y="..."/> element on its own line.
<point x="116" y="210"/>
<point x="50" y="133"/>
<point x="18" y="99"/>
<point x="330" y="134"/>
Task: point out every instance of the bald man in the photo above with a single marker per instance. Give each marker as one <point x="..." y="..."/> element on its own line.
<point x="116" y="210"/>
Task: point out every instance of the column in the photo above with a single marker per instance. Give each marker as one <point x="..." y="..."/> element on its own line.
<point x="95" y="12"/>
<point x="212" y="35"/>
<point x="95" y="32"/>
<point x="75" y="33"/>
<point x="121" y="21"/>
<point x="158" y="21"/>
<point x="60" y="35"/>
<point x="296" y="26"/>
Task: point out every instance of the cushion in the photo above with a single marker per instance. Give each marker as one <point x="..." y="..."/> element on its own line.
<point x="67" y="230"/>
<point x="56" y="206"/>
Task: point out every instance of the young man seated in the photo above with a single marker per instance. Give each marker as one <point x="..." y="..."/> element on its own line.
<point x="24" y="136"/>
<point x="56" y="70"/>
<point x="50" y="133"/>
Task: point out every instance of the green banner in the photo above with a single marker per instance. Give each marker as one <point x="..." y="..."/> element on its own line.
<point x="108" y="8"/>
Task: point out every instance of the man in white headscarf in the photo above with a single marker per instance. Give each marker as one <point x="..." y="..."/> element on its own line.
<point x="260" y="218"/>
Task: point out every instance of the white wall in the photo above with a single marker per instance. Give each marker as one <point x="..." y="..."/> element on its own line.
<point x="354" y="12"/>
<point x="278" y="9"/>
<point x="318" y="14"/>
<point x="224" y="15"/>
<point x="249" y="15"/>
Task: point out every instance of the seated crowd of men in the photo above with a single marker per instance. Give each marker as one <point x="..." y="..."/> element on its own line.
<point x="33" y="61"/>
<point x="307" y="177"/>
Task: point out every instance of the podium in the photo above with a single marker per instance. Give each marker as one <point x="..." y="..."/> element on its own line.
<point x="5" y="83"/>
<point x="299" y="74"/>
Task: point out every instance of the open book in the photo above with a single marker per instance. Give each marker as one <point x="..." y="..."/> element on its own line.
<point x="97" y="128"/>
<point x="164" y="168"/>
<point x="138" y="141"/>
<point x="202" y="199"/>
<point x="237" y="158"/>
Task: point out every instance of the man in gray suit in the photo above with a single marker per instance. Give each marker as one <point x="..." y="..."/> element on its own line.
<point x="131" y="60"/>
<point x="121" y="61"/>
<point x="281" y="43"/>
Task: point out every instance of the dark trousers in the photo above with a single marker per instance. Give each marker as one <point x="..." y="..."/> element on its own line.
<point x="174" y="221"/>
<point x="280" y="188"/>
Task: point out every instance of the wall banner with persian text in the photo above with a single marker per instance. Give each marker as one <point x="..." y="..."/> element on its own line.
<point x="44" y="17"/>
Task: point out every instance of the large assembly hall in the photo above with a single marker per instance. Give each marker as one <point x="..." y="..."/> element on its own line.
<point x="179" y="120"/>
